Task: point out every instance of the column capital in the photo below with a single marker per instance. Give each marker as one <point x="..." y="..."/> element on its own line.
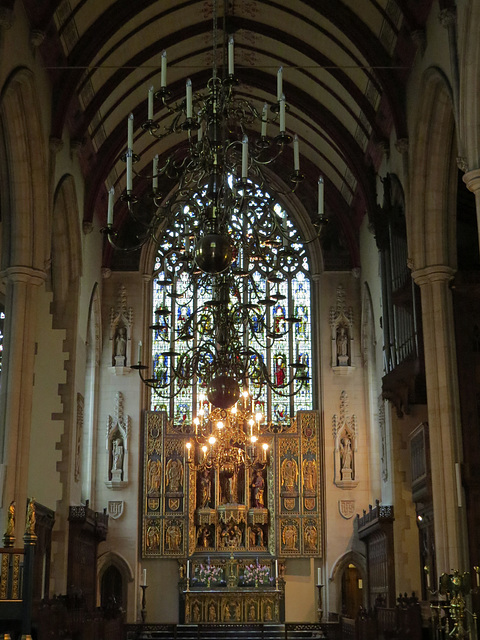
<point x="433" y="273"/>
<point x="472" y="180"/>
<point x="29" y="275"/>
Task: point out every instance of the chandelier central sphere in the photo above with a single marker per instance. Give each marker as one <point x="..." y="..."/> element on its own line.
<point x="223" y="391"/>
<point x="213" y="253"/>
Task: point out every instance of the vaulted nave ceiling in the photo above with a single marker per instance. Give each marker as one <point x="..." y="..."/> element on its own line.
<point x="345" y="66"/>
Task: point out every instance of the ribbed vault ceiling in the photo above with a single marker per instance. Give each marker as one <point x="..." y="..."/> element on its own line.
<point x="345" y="65"/>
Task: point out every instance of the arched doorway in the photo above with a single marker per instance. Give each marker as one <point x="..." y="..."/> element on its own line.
<point x="112" y="588"/>
<point x="352" y="596"/>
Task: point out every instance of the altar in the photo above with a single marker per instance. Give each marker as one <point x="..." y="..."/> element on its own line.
<point x="225" y="605"/>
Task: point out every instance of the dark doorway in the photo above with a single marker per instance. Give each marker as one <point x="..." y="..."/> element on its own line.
<point x="351" y="591"/>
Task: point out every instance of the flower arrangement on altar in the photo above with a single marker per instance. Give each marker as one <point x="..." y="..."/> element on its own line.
<point x="257" y="573"/>
<point x="208" y="573"/>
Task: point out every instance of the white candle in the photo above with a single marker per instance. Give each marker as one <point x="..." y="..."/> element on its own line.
<point x="296" y="154"/>
<point x="188" y="569"/>
<point x="477" y="571"/>
<point x="110" y="207"/>
<point x="279" y="84"/>
<point x="320" y="196"/>
<point x="129" y="170"/>
<point x="230" y="56"/>
<point x="163" y="80"/>
<point x="319" y="576"/>
<point x="189" y="98"/>
<point x="264" y="120"/>
<point x="276" y="568"/>
<point x="130" y="132"/>
<point x="155" y="172"/>
<point x="282" y="114"/>
<point x="144" y="578"/>
<point x="140" y="357"/>
<point x="244" y="157"/>
<point x="150" y="104"/>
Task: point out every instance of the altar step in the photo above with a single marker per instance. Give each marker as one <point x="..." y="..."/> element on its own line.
<point x="228" y="632"/>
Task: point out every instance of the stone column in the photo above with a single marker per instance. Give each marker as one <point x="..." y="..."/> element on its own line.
<point x="443" y="413"/>
<point x="472" y="180"/>
<point x="17" y="383"/>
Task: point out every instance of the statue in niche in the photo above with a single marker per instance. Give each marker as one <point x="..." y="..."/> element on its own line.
<point x="10" y="531"/>
<point x="256" y="536"/>
<point x="212" y="613"/>
<point x="229" y="485"/>
<point x="346" y="457"/>
<point x="342" y="346"/>
<point x="268" y="613"/>
<point x="289" y="537"/>
<point x="173" y="537"/>
<point x="205" y="496"/>
<point x="174" y="475"/>
<point x="196" y="612"/>
<point x="120" y="346"/>
<point x="309" y="476"/>
<point x="232" y="537"/>
<point x="289" y="474"/>
<point x="204" y="537"/>
<point x="251" y="613"/>
<point x="117" y="456"/>
<point x="258" y="488"/>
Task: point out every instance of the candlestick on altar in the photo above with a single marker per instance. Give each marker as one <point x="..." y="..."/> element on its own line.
<point x="320" y="606"/>
<point x="143" y="611"/>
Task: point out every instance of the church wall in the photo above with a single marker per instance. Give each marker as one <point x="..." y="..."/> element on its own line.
<point x="124" y="530"/>
<point x="300" y="606"/>
<point x="349" y="498"/>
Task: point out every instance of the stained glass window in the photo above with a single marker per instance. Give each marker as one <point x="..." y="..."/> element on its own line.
<point x="176" y="298"/>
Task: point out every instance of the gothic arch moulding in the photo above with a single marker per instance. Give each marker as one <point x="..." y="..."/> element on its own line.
<point x="26" y="241"/>
<point x="430" y="214"/>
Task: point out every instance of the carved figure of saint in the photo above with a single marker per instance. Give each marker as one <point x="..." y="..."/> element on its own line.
<point x="173" y="537"/>
<point x="237" y="536"/>
<point x="10" y="531"/>
<point x="117" y="455"/>
<point x="289" y="474"/>
<point x="256" y="536"/>
<point x="311" y="537"/>
<point x="174" y="475"/>
<point x="309" y="475"/>
<point x="153" y="539"/>
<point x="289" y="537"/>
<point x="212" y="613"/>
<point x="121" y="342"/>
<point x="196" y="612"/>
<point x="205" y="490"/>
<point x="230" y="486"/>
<point x="204" y="537"/>
<point x="346" y="452"/>
<point x="342" y="342"/>
<point x="258" y="487"/>
<point x="251" y="613"/>
<point x="31" y="517"/>
<point x="154" y="472"/>
<point x="268" y="613"/>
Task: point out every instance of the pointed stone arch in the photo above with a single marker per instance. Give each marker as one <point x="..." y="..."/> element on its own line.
<point x="27" y="223"/>
<point x="430" y="212"/>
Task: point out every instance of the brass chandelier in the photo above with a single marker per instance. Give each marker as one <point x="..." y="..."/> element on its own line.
<point x="227" y="439"/>
<point x="219" y="226"/>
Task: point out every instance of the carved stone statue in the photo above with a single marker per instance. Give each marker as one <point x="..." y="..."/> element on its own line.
<point x="346" y="457"/>
<point x="120" y="347"/>
<point x="289" y="537"/>
<point x="117" y="455"/>
<point x="309" y="476"/>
